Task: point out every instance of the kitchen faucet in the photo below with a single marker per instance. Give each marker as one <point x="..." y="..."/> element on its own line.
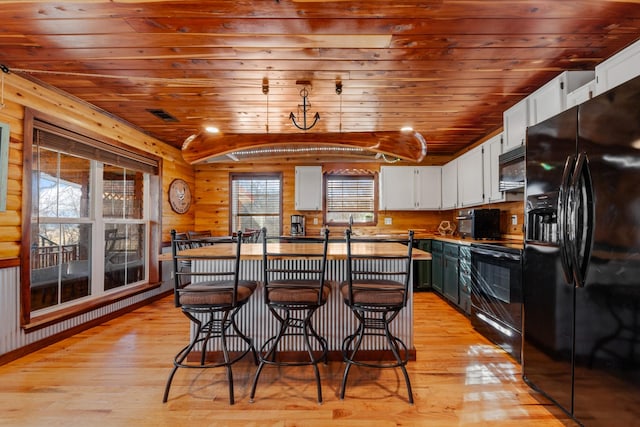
<point x="350" y="223"/>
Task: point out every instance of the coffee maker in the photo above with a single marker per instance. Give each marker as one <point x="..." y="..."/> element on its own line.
<point x="297" y="225"/>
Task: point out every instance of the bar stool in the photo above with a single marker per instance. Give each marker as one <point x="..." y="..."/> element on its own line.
<point x="183" y="242"/>
<point x="294" y="288"/>
<point x="199" y="238"/>
<point x="376" y="296"/>
<point x="211" y="300"/>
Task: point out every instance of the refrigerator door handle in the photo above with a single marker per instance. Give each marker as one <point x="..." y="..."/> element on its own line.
<point x="563" y="215"/>
<point x="581" y="218"/>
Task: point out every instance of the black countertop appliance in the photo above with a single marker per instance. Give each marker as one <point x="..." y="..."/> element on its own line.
<point x="297" y="225"/>
<point x="479" y="223"/>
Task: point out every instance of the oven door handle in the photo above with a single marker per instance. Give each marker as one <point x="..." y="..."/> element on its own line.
<point x="497" y="255"/>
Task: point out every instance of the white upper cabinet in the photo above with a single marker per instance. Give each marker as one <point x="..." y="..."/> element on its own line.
<point x="492" y="151"/>
<point x="516" y="120"/>
<point x="618" y="69"/>
<point x="308" y="188"/>
<point x="396" y="188"/>
<point x="471" y="178"/>
<point x="551" y="98"/>
<point x="409" y="188"/>
<point x="428" y="188"/>
<point x="545" y="102"/>
<point x="450" y="185"/>
<point x="582" y="94"/>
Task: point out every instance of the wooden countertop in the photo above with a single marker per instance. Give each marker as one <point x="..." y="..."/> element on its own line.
<point x="334" y="251"/>
<point x="467" y="241"/>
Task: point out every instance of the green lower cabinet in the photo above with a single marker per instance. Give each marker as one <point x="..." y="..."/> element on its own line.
<point x="437" y="265"/>
<point x="451" y="273"/>
<point x="422" y="269"/>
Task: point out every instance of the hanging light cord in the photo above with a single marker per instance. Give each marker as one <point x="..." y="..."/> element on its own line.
<point x="340" y="95"/>
<point x="267" y="125"/>
<point x="265" y="90"/>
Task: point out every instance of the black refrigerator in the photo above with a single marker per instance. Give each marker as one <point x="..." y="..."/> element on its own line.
<point x="581" y="268"/>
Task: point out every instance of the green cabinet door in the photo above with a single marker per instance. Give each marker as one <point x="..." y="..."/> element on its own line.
<point x="451" y="273"/>
<point x="437" y="265"/>
<point x="422" y="268"/>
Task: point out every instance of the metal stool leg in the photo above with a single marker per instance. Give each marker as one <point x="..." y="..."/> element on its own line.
<point x="267" y="354"/>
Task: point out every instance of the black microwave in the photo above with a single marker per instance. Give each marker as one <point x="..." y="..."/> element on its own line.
<point x="479" y="223"/>
<point x="512" y="170"/>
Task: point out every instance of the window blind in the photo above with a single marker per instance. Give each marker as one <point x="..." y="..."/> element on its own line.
<point x="54" y="137"/>
<point x="350" y="193"/>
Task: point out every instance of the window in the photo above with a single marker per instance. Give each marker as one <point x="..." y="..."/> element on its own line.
<point x="350" y="196"/>
<point x="256" y="202"/>
<point x="90" y="221"/>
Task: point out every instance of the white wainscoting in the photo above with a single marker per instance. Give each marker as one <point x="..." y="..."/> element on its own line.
<point x="12" y="337"/>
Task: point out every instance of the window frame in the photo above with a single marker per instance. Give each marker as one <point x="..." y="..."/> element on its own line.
<point x="30" y="321"/>
<point x="349" y="175"/>
<point x="256" y="175"/>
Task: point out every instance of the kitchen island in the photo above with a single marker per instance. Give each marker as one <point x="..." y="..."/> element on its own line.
<point x="334" y="320"/>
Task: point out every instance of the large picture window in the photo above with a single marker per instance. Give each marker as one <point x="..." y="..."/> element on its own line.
<point x="350" y="198"/>
<point x="89" y="227"/>
<point x="256" y="202"/>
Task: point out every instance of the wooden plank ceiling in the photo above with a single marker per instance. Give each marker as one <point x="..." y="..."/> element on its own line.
<point x="446" y="68"/>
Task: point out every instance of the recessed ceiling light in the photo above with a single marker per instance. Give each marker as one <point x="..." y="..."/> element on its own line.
<point x="212" y="129"/>
<point x="406" y="129"/>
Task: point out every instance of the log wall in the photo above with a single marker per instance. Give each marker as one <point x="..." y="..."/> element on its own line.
<point x="21" y="93"/>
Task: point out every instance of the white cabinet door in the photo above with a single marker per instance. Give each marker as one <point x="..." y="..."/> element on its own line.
<point x="428" y="187"/>
<point x="618" y="69"/>
<point x="308" y="188"/>
<point x="396" y="188"/>
<point x="471" y="178"/>
<point x="450" y="185"/>
<point x="581" y="94"/>
<point x="492" y="151"/>
<point x="516" y="120"/>
<point x="546" y="102"/>
<point x="551" y="99"/>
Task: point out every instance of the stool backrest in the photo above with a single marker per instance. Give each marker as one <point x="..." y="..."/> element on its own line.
<point x="368" y="263"/>
<point x="186" y="251"/>
<point x="199" y="238"/>
<point x="303" y="259"/>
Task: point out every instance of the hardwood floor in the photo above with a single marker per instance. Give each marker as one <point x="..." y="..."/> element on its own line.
<point x="114" y="375"/>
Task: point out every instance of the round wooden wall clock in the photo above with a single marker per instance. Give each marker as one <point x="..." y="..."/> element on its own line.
<point x="179" y="196"/>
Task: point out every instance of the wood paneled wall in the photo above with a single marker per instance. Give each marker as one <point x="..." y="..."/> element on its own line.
<point x="21" y="93"/>
<point x="212" y="202"/>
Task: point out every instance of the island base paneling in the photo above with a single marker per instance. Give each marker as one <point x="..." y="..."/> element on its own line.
<point x="334" y="320"/>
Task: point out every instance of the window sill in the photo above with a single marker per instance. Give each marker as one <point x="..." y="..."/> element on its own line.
<point x="42" y="321"/>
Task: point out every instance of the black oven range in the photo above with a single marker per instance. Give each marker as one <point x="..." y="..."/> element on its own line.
<point x="496" y="294"/>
